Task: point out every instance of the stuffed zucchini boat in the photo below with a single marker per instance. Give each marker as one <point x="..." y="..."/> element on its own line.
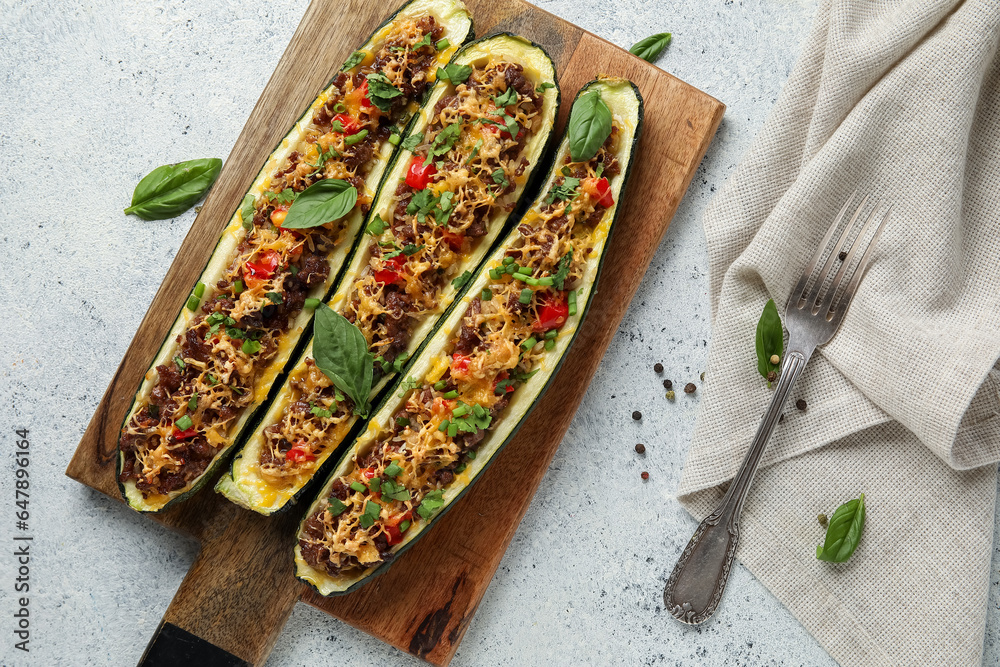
<point x="445" y="200"/>
<point x="278" y="256"/>
<point x="485" y="368"/>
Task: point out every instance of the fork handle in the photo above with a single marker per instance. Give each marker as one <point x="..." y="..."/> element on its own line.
<point x="699" y="578"/>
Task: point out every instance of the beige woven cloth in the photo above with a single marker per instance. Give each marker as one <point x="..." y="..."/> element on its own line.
<point x="900" y="98"/>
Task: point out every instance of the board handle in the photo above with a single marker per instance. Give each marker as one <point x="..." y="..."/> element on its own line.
<point x="172" y="646"/>
<point x="233" y="602"/>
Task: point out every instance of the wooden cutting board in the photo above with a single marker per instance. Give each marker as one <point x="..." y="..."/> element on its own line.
<point x="241" y="588"/>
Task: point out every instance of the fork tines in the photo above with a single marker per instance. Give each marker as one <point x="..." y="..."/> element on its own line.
<point x="816" y="288"/>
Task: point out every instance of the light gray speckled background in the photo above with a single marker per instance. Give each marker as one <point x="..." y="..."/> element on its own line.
<point x="96" y="95"/>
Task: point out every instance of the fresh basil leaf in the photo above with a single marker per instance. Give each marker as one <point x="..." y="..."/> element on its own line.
<point x="770" y="339"/>
<point x="650" y="48"/>
<point x="511" y="125"/>
<point x="843" y="532"/>
<point x="456" y="74"/>
<point x="336" y="508"/>
<point x="411" y="142"/>
<point x="341" y="352"/>
<point x="381" y="92"/>
<point x="322" y="202"/>
<point x="507" y="98"/>
<point x="589" y="126"/>
<point x="247" y="211"/>
<point x="377" y="226"/>
<point x="353" y="60"/>
<point x="168" y="191"/>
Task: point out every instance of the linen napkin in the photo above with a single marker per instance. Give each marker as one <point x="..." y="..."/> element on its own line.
<point x="900" y="99"/>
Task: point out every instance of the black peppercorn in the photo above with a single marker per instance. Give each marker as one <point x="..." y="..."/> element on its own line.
<point x="641" y="448"/>
<point x="667" y="384"/>
<point x="689" y="388"/>
<point x="800" y="404"/>
<point x="842" y="256"/>
<point x="636" y="415"/>
<point x="658" y="367"/>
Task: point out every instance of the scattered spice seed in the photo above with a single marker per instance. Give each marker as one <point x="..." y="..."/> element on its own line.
<point x="772" y="376"/>
<point x="667" y="384"/>
<point x="702" y="376"/>
<point x="636" y="415"/>
<point x="775" y="359"/>
<point x="823" y="520"/>
<point x="689" y="388"/>
<point x="671" y="395"/>
<point x="801" y="404"/>
<point x="842" y="256"/>
<point x="658" y="367"/>
<point x="644" y="475"/>
<point x="640" y="448"/>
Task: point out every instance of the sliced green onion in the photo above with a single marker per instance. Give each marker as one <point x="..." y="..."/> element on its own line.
<point x="250" y="346"/>
<point x="452" y="430"/>
<point x="402" y="421"/>
<point x="495" y="274"/>
<point x="487" y="294"/>
<point x="394" y="139"/>
<point x="440" y="384"/>
<point x="311" y="304"/>
<point x="461" y="467"/>
<point x="566" y="171"/>
<point x="212" y="380"/>
<point x="460" y="410"/>
<point x="452" y="394"/>
<point x="179" y="362"/>
<point x="549" y="344"/>
<point x="339" y="107"/>
<point x="510" y="269"/>
<point x="546" y="281"/>
<point x="184" y="423"/>
<point x="530" y="343"/>
<point x="572" y="302"/>
<point x="507" y="261"/>
<point x="444" y="426"/>
<point x="524" y="270"/>
<point x="392" y="469"/>
<point x="199" y="289"/>
<point x="375" y="485"/>
<point x="355" y="138"/>
<point x="193" y="402"/>
<point x="525" y="297"/>
<point x="442" y="44"/>
<point x="192" y="303"/>
<point x="529" y="280"/>
<point x="471" y="454"/>
<point x="551" y="333"/>
<point x="359" y="487"/>
<point x="238" y="287"/>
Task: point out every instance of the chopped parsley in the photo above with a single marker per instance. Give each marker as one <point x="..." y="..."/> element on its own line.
<point x="475" y="150"/>
<point x="335" y="508"/>
<point x="543" y="86"/>
<point x="456" y="74"/>
<point x="392" y="489"/>
<point x="507" y="98"/>
<point x="432" y="502"/>
<point x="445" y="140"/>
<point x="381" y="92"/>
<point x="564" y="192"/>
<point x="273" y="297"/>
<point x="562" y="270"/>
<point x="460" y="281"/>
<point x="286" y="196"/>
<point x="425" y="41"/>
<point x="500" y="178"/>
<point x="353" y="61"/>
<point x="377" y="226"/>
<point x="412" y="141"/>
<point x="392" y="469"/>
<point x="371" y="513"/>
<point x="321" y="412"/>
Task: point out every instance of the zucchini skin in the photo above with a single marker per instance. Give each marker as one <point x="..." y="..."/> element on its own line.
<point x="584" y="308"/>
<point x="386" y="387"/>
<point x="254" y="413"/>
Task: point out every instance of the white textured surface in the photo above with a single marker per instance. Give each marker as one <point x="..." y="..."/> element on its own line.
<point x="96" y="96"/>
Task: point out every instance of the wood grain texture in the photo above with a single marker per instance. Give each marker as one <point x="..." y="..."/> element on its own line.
<point x="241" y="588"/>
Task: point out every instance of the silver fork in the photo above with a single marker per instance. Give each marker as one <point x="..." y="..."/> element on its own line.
<point x="813" y="313"/>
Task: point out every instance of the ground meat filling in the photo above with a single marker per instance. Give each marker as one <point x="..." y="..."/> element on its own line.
<point x="464" y="170"/>
<point x="199" y="396"/>
<point x="504" y="335"/>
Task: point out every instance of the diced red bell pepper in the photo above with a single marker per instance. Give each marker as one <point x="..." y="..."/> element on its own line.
<point x="391" y="273"/>
<point x="299" y="452"/>
<point x="256" y="273"/>
<point x="391" y="526"/>
<point x="185" y="434"/>
<point x="500" y="378"/>
<point x="419" y="174"/>
<point x="348" y="122"/>
<point x="365" y="102"/>
<point x="459" y="365"/>
<point x="368" y="473"/>
<point x="454" y="240"/>
<point x="600" y="189"/>
<point x="552" y="312"/>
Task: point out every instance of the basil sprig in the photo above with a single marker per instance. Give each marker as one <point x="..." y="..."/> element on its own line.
<point x="170" y="190"/>
<point x="650" y="48"/>
<point x="589" y="126"/>
<point x="843" y="532"/>
<point x="454" y="73"/>
<point x="381" y="92"/>
<point x="322" y="202"/>
<point x="341" y="352"/>
<point x="769" y="341"/>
